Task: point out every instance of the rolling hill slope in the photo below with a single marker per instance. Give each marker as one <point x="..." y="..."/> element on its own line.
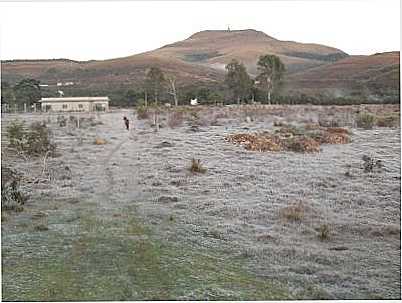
<point x="375" y="74"/>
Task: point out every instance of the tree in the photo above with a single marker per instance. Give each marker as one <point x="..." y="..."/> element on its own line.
<point x="172" y="88"/>
<point x="154" y="82"/>
<point x="7" y="93"/>
<point x="271" y="71"/>
<point x="27" y="91"/>
<point x="238" y="80"/>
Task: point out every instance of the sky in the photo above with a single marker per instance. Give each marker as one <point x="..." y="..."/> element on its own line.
<point x="104" y="30"/>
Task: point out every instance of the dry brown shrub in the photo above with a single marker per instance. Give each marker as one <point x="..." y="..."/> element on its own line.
<point x="294" y="212"/>
<point x="257" y="142"/>
<point x="311" y="126"/>
<point x="334" y="138"/>
<point x="303" y="144"/>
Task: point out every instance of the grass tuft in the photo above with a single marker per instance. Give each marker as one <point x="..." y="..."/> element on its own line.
<point x="197" y="167"/>
<point x="293" y="212"/>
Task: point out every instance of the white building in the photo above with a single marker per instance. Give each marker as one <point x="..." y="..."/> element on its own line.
<point x="75" y="104"/>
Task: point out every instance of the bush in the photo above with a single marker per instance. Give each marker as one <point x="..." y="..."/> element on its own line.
<point x="369" y="164"/>
<point x="34" y="141"/>
<point x="38" y="140"/>
<point x="11" y="196"/>
<point x="16" y="134"/>
<point x="388" y="121"/>
<point x="365" y="120"/>
<point x="196" y="166"/>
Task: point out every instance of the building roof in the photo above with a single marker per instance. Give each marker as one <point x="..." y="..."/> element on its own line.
<point x="74" y="99"/>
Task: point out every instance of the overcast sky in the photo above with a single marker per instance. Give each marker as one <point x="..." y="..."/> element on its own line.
<point x="103" y="30"/>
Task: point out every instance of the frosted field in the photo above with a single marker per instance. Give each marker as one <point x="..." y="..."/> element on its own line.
<point x="128" y="221"/>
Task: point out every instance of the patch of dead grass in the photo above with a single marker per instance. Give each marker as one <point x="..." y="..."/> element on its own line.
<point x="294" y="212"/>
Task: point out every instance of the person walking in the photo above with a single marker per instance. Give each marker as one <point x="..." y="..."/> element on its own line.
<point x="126" y="122"/>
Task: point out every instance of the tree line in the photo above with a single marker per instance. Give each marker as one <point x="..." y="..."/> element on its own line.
<point x="237" y="80"/>
<point x="27" y="91"/>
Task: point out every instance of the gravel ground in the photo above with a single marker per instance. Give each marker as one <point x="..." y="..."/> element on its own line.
<point x="235" y="209"/>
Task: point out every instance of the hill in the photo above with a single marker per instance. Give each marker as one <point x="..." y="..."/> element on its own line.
<point x="202" y="57"/>
<point x="200" y="61"/>
<point x="376" y="74"/>
<point x="216" y="48"/>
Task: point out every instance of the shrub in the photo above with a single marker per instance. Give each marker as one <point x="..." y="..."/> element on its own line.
<point x="196" y="166"/>
<point x="33" y="141"/>
<point x="388" y="121"/>
<point x="365" y="120"/>
<point x="330" y="137"/>
<point x="11" y="196"/>
<point x="38" y="140"/>
<point x="369" y="163"/>
<point x="16" y="134"/>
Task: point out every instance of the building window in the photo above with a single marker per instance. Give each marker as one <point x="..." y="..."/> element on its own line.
<point x="64" y="106"/>
<point x="80" y="106"/>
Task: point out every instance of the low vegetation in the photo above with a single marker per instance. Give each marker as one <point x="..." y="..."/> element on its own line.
<point x="12" y="197"/>
<point x="197" y="167"/>
<point x="290" y="138"/>
<point x="323" y="232"/>
<point x="365" y="120"/>
<point x="142" y="112"/>
<point x="388" y="121"/>
<point x="370" y="164"/>
<point x="33" y="141"/>
<point x="294" y="212"/>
